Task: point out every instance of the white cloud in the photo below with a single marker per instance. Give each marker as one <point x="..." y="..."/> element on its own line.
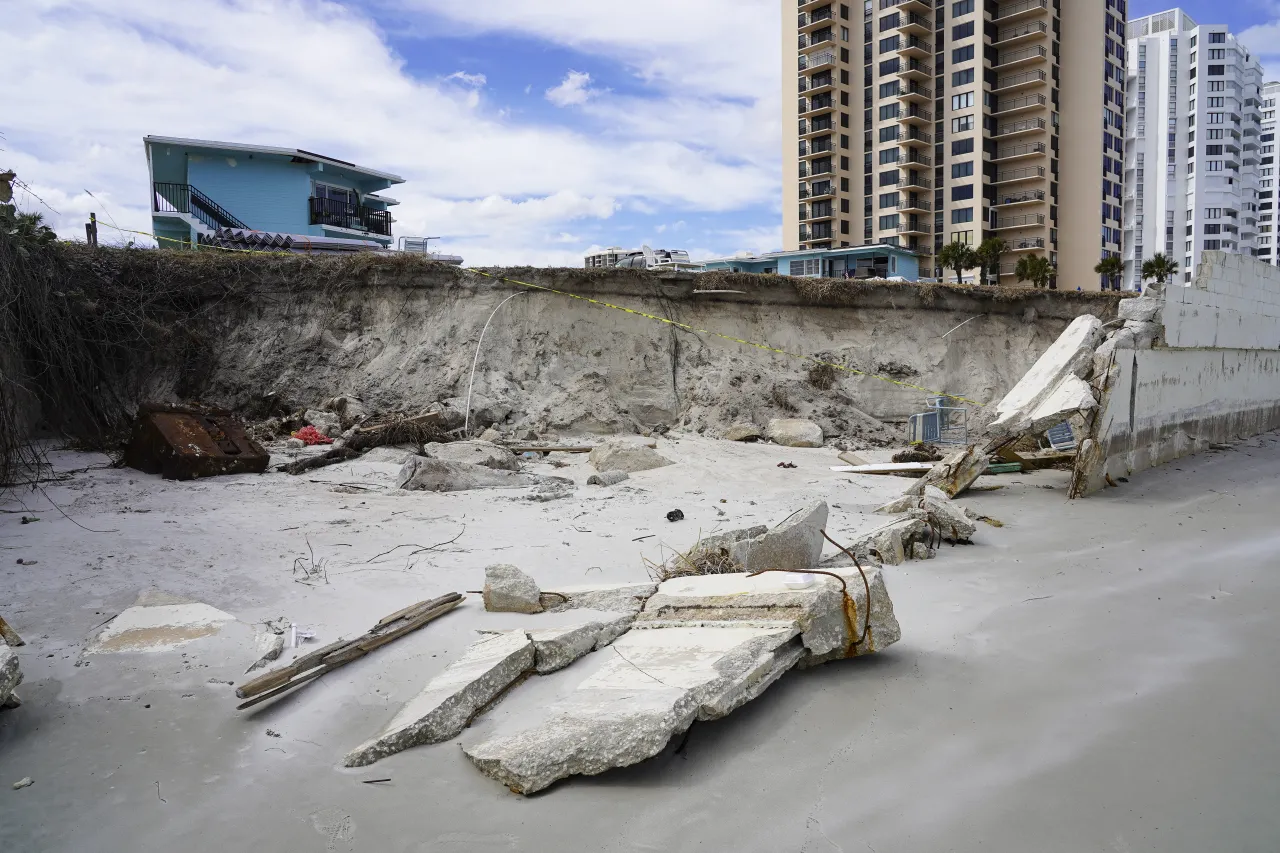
<point x="84" y="80"/>
<point x="574" y="89"/>
<point x="475" y="81"/>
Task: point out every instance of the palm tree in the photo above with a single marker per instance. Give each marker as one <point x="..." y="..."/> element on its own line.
<point x="1159" y="268"/>
<point x="957" y="256"/>
<point x="988" y="256"/>
<point x="1035" y="269"/>
<point x="1112" y="267"/>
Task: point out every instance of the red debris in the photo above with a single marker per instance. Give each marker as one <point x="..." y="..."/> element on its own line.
<point x="311" y="435"/>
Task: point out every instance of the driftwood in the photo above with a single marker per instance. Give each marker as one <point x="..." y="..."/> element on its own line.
<point x="10" y="636"/>
<point x="315" y="664"/>
<point x="418" y="429"/>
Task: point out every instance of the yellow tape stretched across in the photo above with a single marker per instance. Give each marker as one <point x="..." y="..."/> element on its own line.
<point x="603" y="304"/>
<point x="723" y="336"/>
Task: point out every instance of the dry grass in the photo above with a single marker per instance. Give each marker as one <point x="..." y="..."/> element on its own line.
<point x="822" y="377"/>
<point x="701" y="559"/>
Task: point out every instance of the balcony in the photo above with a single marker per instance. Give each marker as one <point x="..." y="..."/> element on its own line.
<point x="1013" y="176"/>
<point x="916" y="115"/>
<point x="914" y="69"/>
<point x="822" y="124"/>
<point x="819" y="104"/>
<point x="823" y="145"/>
<point x="915" y="204"/>
<point x="1020" y="128"/>
<point x="1023" y="80"/>
<point x="907" y="5"/>
<point x="1021" y="56"/>
<point x="1020" y="10"/>
<point x="817" y="212"/>
<point x="1021" y="32"/>
<point x="1019" y="104"/>
<point x="814" y="18"/>
<point x="817" y="60"/>
<point x="338" y="214"/>
<point x="1024" y="244"/>
<point x="817" y="84"/>
<point x="1034" y="220"/>
<point x="916" y="227"/>
<point x="911" y="136"/>
<point x="822" y="189"/>
<point x="1018" y="198"/>
<point x="1017" y="152"/>
<point x="913" y="157"/>
<point x="184" y="198"/>
<point x="914" y="92"/>
<point x="915" y="46"/>
<point x="910" y="22"/>
<point x="816" y="39"/>
<point x="915" y="180"/>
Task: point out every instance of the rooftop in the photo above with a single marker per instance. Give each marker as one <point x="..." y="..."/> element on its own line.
<point x="297" y="154"/>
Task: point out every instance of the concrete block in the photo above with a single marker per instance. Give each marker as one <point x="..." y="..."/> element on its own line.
<point x="473" y="453"/>
<point x="10" y="674"/>
<point x="957" y="471"/>
<point x="793" y="432"/>
<point x="1143" y="308"/>
<point x="451" y="699"/>
<point x="743" y="432"/>
<point x="1070" y="355"/>
<point x="608" y="478"/>
<point x="618" y="597"/>
<point x="556" y="648"/>
<point x="509" y="590"/>
<point x="622" y="454"/>
<point x="652" y="689"/>
<point x="794" y="545"/>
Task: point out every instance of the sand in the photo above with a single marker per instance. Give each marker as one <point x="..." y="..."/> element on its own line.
<point x="1096" y="675"/>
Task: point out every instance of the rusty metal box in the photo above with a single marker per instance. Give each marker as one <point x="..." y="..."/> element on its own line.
<point x="187" y="442"/>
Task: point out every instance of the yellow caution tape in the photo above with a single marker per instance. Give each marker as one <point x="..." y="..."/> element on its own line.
<point x="765" y="347"/>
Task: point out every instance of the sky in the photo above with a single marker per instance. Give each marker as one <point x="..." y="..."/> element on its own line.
<point x="528" y="131"/>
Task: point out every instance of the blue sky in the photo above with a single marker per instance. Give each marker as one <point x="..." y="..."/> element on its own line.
<point x="529" y="131"/>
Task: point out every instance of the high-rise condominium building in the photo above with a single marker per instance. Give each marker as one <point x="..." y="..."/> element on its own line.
<point x="923" y="122"/>
<point x="1268" y="249"/>
<point x="1194" y="147"/>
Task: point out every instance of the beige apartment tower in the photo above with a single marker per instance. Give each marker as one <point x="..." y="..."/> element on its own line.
<point x="923" y="122"/>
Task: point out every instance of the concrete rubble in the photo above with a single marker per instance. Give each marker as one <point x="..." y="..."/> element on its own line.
<point x="269" y="642"/>
<point x="792" y="432"/>
<point x="509" y="590"/>
<point x="451" y="699"/>
<point x="10" y="676"/>
<point x="328" y="424"/>
<point x="627" y="455"/>
<point x="433" y="475"/>
<point x="608" y="478"/>
<point x="475" y="453"/>
<point x="795" y="544"/>
<point x="743" y="432"/>
<point x="956" y="472"/>
<point x="1052" y="380"/>
<point x="619" y="597"/>
<point x="556" y="648"/>
<point x="948" y="518"/>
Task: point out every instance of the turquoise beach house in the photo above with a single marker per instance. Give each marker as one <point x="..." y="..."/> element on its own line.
<point x="198" y="187"/>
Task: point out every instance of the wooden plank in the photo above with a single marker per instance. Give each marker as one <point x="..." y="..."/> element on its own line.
<point x="1003" y="468"/>
<point x="522" y="448"/>
<point x="886" y="468"/>
<point x="9" y="635"/>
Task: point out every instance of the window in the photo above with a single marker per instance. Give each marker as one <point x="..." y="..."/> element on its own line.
<point x="962" y="193"/>
<point x="1212" y="245"/>
<point x="961" y="215"/>
<point x="810" y="266"/>
<point x="889" y="223"/>
<point x="888" y="155"/>
<point x="890" y="66"/>
<point x="1213" y="229"/>
<point x="888" y="134"/>
<point x="889" y="111"/>
<point x="962" y="54"/>
<point x="890" y="89"/>
<point x="1216" y="70"/>
<point x="888" y="200"/>
<point x="965" y="237"/>
<point x="844" y="34"/>
<point x="1217" y="85"/>
<point x="1215" y="133"/>
<point x="1213" y="150"/>
<point x="963" y="101"/>
<point x="962" y="31"/>
<point x="1214" y="118"/>
<point x="962" y="78"/>
<point x="889" y="178"/>
<point x="1213" y="166"/>
<point x="1217" y="53"/>
<point x="1213" y="102"/>
<point x="889" y="45"/>
<point x="1217" y="38"/>
<point x="962" y="170"/>
<point x="962" y="124"/>
<point x="964" y="7"/>
<point x="961" y="146"/>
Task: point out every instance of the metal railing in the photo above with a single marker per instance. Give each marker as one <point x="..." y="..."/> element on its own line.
<point x="889" y="4"/>
<point x="817" y="59"/>
<point x="1005" y="105"/>
<point x="340" y="214"/>
<point x="909" y="19"/>
<point x="1020" y="30"/>
<point x="916" y="112"/>
<point x="1021" y="126"/>
<point x="1010" y="80"/>
<point x="1008" y="10"/>
<point x="914" y="228"/>
<point x="910" y="136"/>
<point x="1028" y="221"/>
<point x="1023" y="150"/>
<point x="184" y="198"/>
<point x="807" y="18"/>
<point x="915" y="43"/>
<point x="1025" y="243"/>
<point x="913" y="204"/>
<point x="916" y="89"/>
<point x="915" y="181"/>
<point x="1028" y="174"/>
<point x="916" y="65"/>
<point x="1021" y="198"/>
<point x="1022" y="53"/>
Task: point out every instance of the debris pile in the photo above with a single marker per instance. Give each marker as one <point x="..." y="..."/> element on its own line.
<point x="187" y="442"/>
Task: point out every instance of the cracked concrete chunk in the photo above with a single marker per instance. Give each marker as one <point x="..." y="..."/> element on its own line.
<point x="949" y="518"/>
<point x="1071" y="396"/>
<point x="434" y="475"/>
<point x="556" y="648"/>
<point x="473" y="453"/>
<point x="608" y="478"/>
<point x="794" y="545"/>
<point x="451" y="699"/>
<point x="742" y="432"/>
<point x="158" y="622"/>
<point x="793" y="432"/>
<point x="623" y="454"/>
<point x="1144" y="309"/>
<point x="509" y="590"/>
<point x="957" y="472"/>
<point x="10" y="674"/>
<point x="618" y="597"/>
<point x="1070" y="355"/>
<point x="651" y="686"/>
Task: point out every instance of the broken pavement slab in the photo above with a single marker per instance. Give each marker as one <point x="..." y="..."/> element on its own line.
<point x="619" y="597"/>
<point x="958" y="471"/>
<point x="1071" y="355"/>
<point x="509" y="590"/>
<point x="159" y="622"/>
<point x="556" y="648"/>
<point x="794" y="545"/>
<point x="651" y="687"/>
<point x="433" y="475"/>
<point x="473" y="453"/>
<point x="947" y="518"/>
<point x="450" y="700"/>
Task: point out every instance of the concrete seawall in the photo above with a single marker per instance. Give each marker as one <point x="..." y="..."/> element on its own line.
<point x="1215" y="379"/>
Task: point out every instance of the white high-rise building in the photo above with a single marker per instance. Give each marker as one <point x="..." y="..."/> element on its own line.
<point x="1268" y="250"/>
<point x="1193" y="143"/>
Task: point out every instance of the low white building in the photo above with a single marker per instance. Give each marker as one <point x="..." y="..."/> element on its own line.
<point x="640" y="259"/>
<point x="1193" y="147"/>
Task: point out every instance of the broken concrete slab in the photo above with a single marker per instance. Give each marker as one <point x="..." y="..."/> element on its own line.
<point x="392" y="455"/>
<point x="556" y="648"/>
<point x="618" y="597"/>
<point x="1070" y="355"/>
<point x="450" y="700"/>
<point x="509" y="590"/>
<point x="624" y="454"/>
<point x="1072" y="396"/>
<point x="159" y="622"/>
<point x="947" y="518"/>
<point x="652" y="688"/>
<point x="848" y="457"/>
<point x="877" y="617"/>
<point x="743" y="432"/>
<point x="434" y="475"/>
<point x="794" y="545"/>
<point x="607" y="478"/>
<point x="794" y="432"/>
<point x="474" y="453"/>
<point x="549" y="492"/>
<point x="1144" y="309"/>
<point x="491" y="435"/>
<point x="958" y="471"/>
<point x="10" y="673"/>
